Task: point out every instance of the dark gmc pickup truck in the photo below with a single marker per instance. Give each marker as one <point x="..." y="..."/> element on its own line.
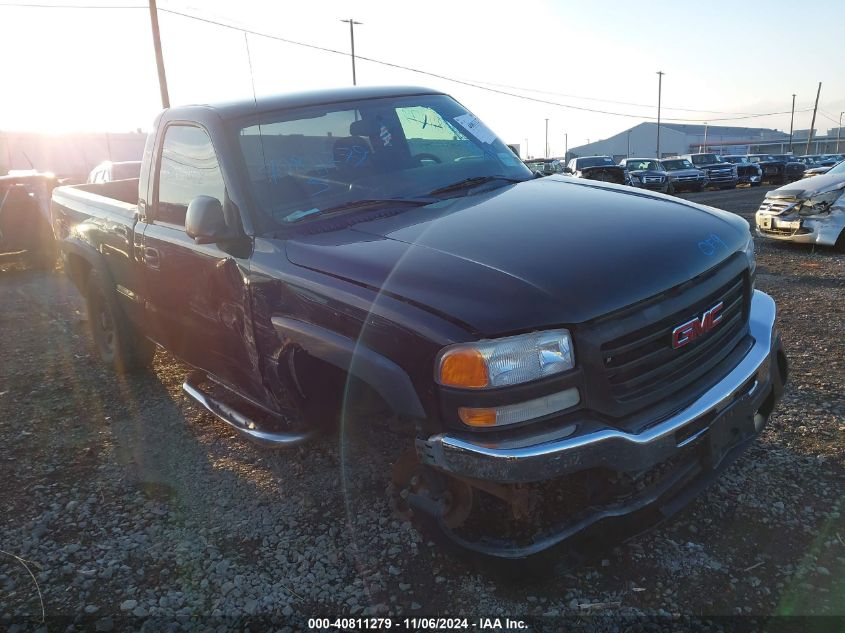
<point x="541" y="338"/>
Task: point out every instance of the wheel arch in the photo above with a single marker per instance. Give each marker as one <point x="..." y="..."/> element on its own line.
<point x="382" y="375"/>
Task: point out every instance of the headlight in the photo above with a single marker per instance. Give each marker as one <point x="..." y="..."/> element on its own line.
<point x="750" y="256"/>
<point x="820" y="203"/>
<point x="512" y="360"/>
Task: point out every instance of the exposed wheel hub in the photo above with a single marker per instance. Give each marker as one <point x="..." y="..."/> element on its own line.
<point x="452" y="497"/>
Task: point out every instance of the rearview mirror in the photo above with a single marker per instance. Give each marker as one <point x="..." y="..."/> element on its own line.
<point x="204" y="220"/>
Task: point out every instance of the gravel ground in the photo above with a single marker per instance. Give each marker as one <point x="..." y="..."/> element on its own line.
<point x="129" y="505"/>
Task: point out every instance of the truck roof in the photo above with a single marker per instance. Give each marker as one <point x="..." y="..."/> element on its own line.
<point x="259" y="105"/>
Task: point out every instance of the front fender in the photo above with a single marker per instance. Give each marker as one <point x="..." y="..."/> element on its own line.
<point x="384" y="376"/>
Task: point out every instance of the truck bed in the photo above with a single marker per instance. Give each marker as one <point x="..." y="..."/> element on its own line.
<point x="73" y="204"/>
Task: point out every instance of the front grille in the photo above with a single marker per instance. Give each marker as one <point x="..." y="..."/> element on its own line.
<point x="776" y="230"/>
<point x="775" y="206"/>
<point x="642" y="364"/>
<point x="652" y="180"/>
<point x="720" y="174"/>
<point x="687" y="178"/>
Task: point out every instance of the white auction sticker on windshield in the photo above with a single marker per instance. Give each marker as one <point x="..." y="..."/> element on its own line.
<point x="474" y="126"/>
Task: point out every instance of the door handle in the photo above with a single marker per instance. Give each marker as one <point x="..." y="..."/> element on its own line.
<point x="152" y="257"/>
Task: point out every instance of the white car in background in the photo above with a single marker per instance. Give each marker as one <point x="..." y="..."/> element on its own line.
<point x="810" y="211"/>
<point x="108" y="171"/>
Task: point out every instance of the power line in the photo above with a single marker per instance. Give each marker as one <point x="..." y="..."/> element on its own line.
<point x="473" y="84"/>
<point x="33" y="5"/>
<point x="830" y="118"/>
<point x="451" y="79"/>
<point x="638" y="105"/>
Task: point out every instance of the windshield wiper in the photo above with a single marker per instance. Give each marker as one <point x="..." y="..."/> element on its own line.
<point x="353" y="205"/>
<point x="468" y="183"/>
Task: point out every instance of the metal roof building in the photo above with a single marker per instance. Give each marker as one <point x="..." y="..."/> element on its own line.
<point x="678" y="138"/>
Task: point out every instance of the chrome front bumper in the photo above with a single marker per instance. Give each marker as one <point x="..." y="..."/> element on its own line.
<point x="732" y="402"/>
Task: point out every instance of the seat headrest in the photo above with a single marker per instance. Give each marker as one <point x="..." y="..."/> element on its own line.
<point x="364" y="127"/>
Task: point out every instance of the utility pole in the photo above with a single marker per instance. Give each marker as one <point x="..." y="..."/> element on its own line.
<point x="660" y="74"/>
<point x="791" y="119"/>
<point x="547" y="138"/>
<point x="162" y="78"/>
<point x="705" y="137"/>
<point x="813" y="124"/>
<point x="352" y="24"/>
<point x="566" y="145"/>
<point x="628" y="151"/>
<point x="839" y="131"/>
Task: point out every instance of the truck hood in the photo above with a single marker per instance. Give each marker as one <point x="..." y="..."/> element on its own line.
<point x="596" y="168"/>
<point x="809" y="187"/>
<point x="647" y="172"/>
<point x="545" y="252"/>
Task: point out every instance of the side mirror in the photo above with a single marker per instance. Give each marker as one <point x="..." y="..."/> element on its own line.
<point x="204" y="220"/>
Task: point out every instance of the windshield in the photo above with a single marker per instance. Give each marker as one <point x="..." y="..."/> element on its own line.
<point x="304" y="162"/>
<point x="674" y="165"/>
<point x="546" y="167"/>
<point x="636" y="164"/>
<point x="705" y="159"/>
<point x="838" y="169"/>
<point x="736" y="160"/>
<point x="594" y="161"/>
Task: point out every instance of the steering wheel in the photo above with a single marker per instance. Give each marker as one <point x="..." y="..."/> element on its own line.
<point x="426" y="156"/>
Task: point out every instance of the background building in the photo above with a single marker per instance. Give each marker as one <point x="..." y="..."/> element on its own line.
<point x="677" y="138"/>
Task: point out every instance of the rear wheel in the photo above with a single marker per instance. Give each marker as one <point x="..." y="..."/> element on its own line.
<point x="840" y="242"/>
<point x="117" y="340"/>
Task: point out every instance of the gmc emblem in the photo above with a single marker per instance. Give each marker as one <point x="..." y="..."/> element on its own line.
<point x="692" y="329"/>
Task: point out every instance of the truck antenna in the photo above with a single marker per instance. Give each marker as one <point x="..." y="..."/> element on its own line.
<point x="255" y="102"/>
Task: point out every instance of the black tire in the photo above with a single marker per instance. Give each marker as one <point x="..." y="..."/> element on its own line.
<point x="840" y="242"/>
<point x="118" y="342"/>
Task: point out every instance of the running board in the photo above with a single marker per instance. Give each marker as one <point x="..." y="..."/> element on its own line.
<point x="244" y="425"/>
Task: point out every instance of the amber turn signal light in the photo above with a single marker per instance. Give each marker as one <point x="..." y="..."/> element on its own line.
<point x="463" y="367"/>
<point x="477" y="417"/>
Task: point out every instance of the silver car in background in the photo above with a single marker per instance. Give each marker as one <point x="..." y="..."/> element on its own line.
<point x="810" y="211"/>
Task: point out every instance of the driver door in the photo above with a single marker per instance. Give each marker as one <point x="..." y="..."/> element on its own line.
<point x="196" y="293"/>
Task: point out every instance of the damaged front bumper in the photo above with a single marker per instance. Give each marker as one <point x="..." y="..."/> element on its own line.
<point x="819" y="229"/>
<point x="709" y="433"/>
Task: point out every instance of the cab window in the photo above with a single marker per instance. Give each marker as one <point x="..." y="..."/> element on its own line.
<point x="189" y="168"/>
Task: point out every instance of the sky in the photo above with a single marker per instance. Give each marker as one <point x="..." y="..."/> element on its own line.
<point x="93" y="69"/>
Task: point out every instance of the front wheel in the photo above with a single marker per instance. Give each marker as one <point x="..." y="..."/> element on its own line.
<point x="840" y="242"/>
<point x="117" y="340"/>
